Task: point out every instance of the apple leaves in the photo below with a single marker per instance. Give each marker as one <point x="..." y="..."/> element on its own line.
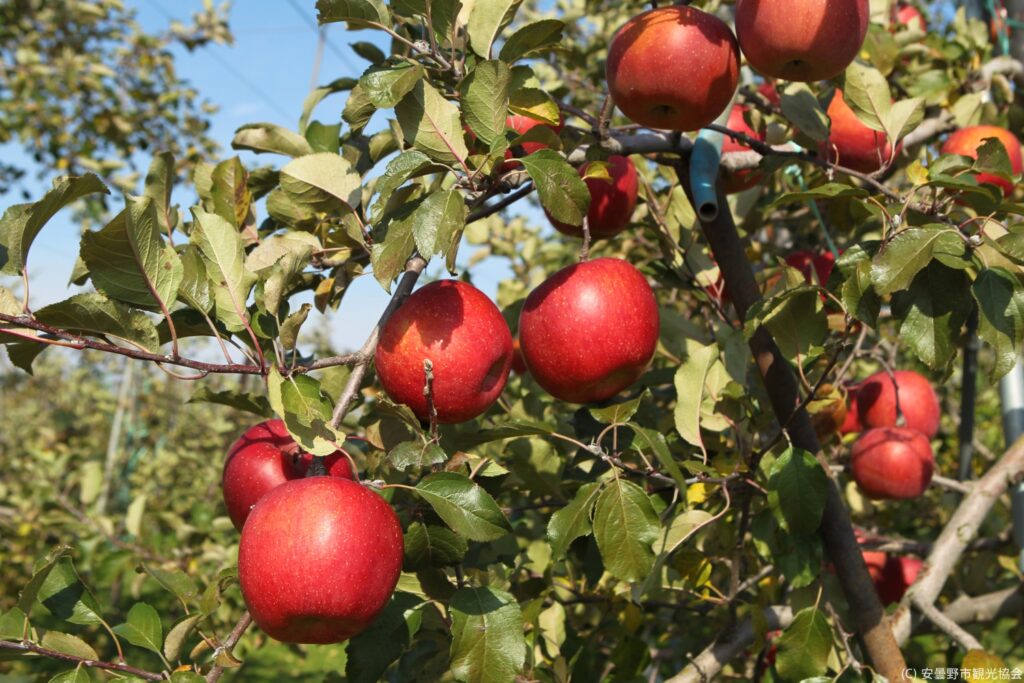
<point x="464" y="506"/>
<point x="625" y="527"/>
<point x="488" y="645"/>
<point x="562" y="192"/>
<point x="805" y="646"/>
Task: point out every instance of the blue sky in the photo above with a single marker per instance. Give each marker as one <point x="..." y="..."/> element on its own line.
<point x="264" y="76"/>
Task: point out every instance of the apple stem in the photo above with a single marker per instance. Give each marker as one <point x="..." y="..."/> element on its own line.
<point x="428" y="393"/>
<point x="901" y="420"/>
<point x="585" y="249"/>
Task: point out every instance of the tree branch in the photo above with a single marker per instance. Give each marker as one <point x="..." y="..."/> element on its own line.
<point x="957" y="534"/>
<point x="229" y="644"/>
<point x="88" y="663"/>
<point x="948" y="626"/>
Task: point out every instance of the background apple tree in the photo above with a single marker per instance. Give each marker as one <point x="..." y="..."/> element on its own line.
<point x="701" y="524"/>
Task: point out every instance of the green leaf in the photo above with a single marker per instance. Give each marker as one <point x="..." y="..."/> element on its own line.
<point x="437" y="221"/>
<point x="40" y="572"/>
<point x="625" y="526"/>
<point x="369" y="52"/>
<point x="572" y="521"/>
<point x="403" y="167"/>
<point x="900" y="260"/>
<point x="321" y="180"/>
<point x="357" y="13"/>
<point x="69" y="645"/>
<point x="563" y="194"/>
<point x="77" y="676"/>
<point x="429" y="546"/>
<point x="867" y="92"/>
<point x="195" y="288"/>
<point x="690" y="380"/>
<point x="857" y="291"/>
<point x="486" y="20"/>
<point x="387" y="84"/>
<point x="186" y="677"/>
<point x="358" y="109"/>
<point x="416" y="454"/>
<point x="800" y="106"/>
<point x="177" y="635"/>
<point x="174" y="580"/>
<point x="655" y="441"/>
<point x="485" y="93"/>
<point x="825" y="191"/>
<point x="389" y="255"/>
<point x="904" y="116"/>
<point x="13" y="624"/>
<point x="531" y="38"/>
<point x="464" y="506"/>
<point x="159" y="183"/>
<point x="535" y="104"/>
<point x="371" y="652"/>
<point x="796" y="491"/>
<point x="9" y="304"/>
<point x="231" y="198"/>
<point x="488" y="645"/>
<point x="796" y="320"/>
<point x="281" y="277"/>
<point x="681" y="528"/>
<point x="314" y="98"/>
<point x="431" y="124"/>
<point x="805" y="646"/>
<point x="305" y="409"/>
<point x="143" y="628"/>
<point x="618" y="413"/>
<point x="221" y="246"/>
<point x="94" y="315"/>
<point x="129" y="261"/>
<point x="1000" y="300"/>
<point x="21" y="223"/>
<point x="292" y="325"/>
<point x="509" y="430"/>
<point x="272" y="139"/>
<point x="271" y="250"/>
<point x="250" y="403"/>
<point x="66" y="597"/>
<point x="932" y="313"/>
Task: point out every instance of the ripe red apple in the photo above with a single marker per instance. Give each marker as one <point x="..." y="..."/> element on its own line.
<point x="909" y="16"/>
<point x="738" y="181"/>
<point x="319" y="559"/>
<point x="673" y="67"/>
<point x="876" y="564"/>
<point x="611" y="202"/>
<point x="456" y="327"/>
<point x="801" y="40"/>
<point x="967" y="140"/>
<point x="851" y="143"/>
<point x="897" y="576"/>
<point x="852" y="423"/>
<point x="770" y="92"/>
<point x="262" y="459"/>
<point x="589" y="330"/>
<point x="521" y="124"/>
<point x="813" y="265"/>
<point x="892" y="462"/>
<point x="876" y="402"/>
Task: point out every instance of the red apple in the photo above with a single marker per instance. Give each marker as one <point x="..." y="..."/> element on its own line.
<point x="851" y="143"/>
<point x="611" y="201"/>
<point x="967" y="140"/>
<point x="876" y="564"/>
<point x="909" y="16"/>
<point x="262" y="459"/>
<point x="738" y="181"/>
<point x="852" y="423"/>
<point x="801" y="40"/>
<point x="319" y="559"/>
<point x="521" y="124"/>
<point x="898" y="575"/>
<point x="589" y="330"/>
<point x="813" y="265"/>
<point x="673" y="67"/>
<point x="876" y="402"/>
<point x="770" y="92"/>
<point x="456" y="327"/>
<point x="892" y="462"/>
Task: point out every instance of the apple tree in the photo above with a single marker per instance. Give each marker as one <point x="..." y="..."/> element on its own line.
<point x="758" y="258"/>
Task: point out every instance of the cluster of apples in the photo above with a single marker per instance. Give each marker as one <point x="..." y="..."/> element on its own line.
<point x="319" y="556"/>
<point x="893" y="457"/>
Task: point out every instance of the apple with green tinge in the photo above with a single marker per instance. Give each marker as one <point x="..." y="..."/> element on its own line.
<point x="455" y="326"/>
<point x="262" y="459"/>
<point x="319" y="559"/>
<point x="876" y="401"/>
<point x="612" y="201"/>
<point x="801" y="40"/>
<point x="892" y="463"/>
<point x="590" y="330"/>
<point x="966" y="142"/>
<point x="738" y="181"/>
<point x="673" y="67"/>
<point x="851" y="143"/>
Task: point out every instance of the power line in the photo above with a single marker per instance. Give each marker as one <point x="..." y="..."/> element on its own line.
<point x="330" y="46"/>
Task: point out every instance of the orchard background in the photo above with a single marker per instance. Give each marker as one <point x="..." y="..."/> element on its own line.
<point x="689" y="528"/>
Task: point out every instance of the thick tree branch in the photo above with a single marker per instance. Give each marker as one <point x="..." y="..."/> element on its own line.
<point x="413" y="267"/>
<point x="957" y="534"/>
<point x="988" y="607"/>
<point x="783" y="390"/>
<point x="87" y="663"/>
<point x="228" y="645"/>
<point x="948" y="626"/>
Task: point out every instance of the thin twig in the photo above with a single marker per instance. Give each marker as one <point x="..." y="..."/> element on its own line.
<point x="80" y="661"/>
<point x="228" y="645"/>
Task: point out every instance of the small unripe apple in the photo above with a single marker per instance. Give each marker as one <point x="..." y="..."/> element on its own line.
<point x="673" y="67"/>
<point x="319" y="559"/>
<point x="612" y="202"/>
<point x="892" y="463"/>
<point x="590" y="330"/>
<point x="262" y="459"/>
<point x="738" y="181"/>
<point x="801" y="40"/>
<point x="521" y="124"/>
<point x="455" y="326"/>
<point x="876" y="402"/>
<point x="851" y="143"/>
<point x="967" y="140"/>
